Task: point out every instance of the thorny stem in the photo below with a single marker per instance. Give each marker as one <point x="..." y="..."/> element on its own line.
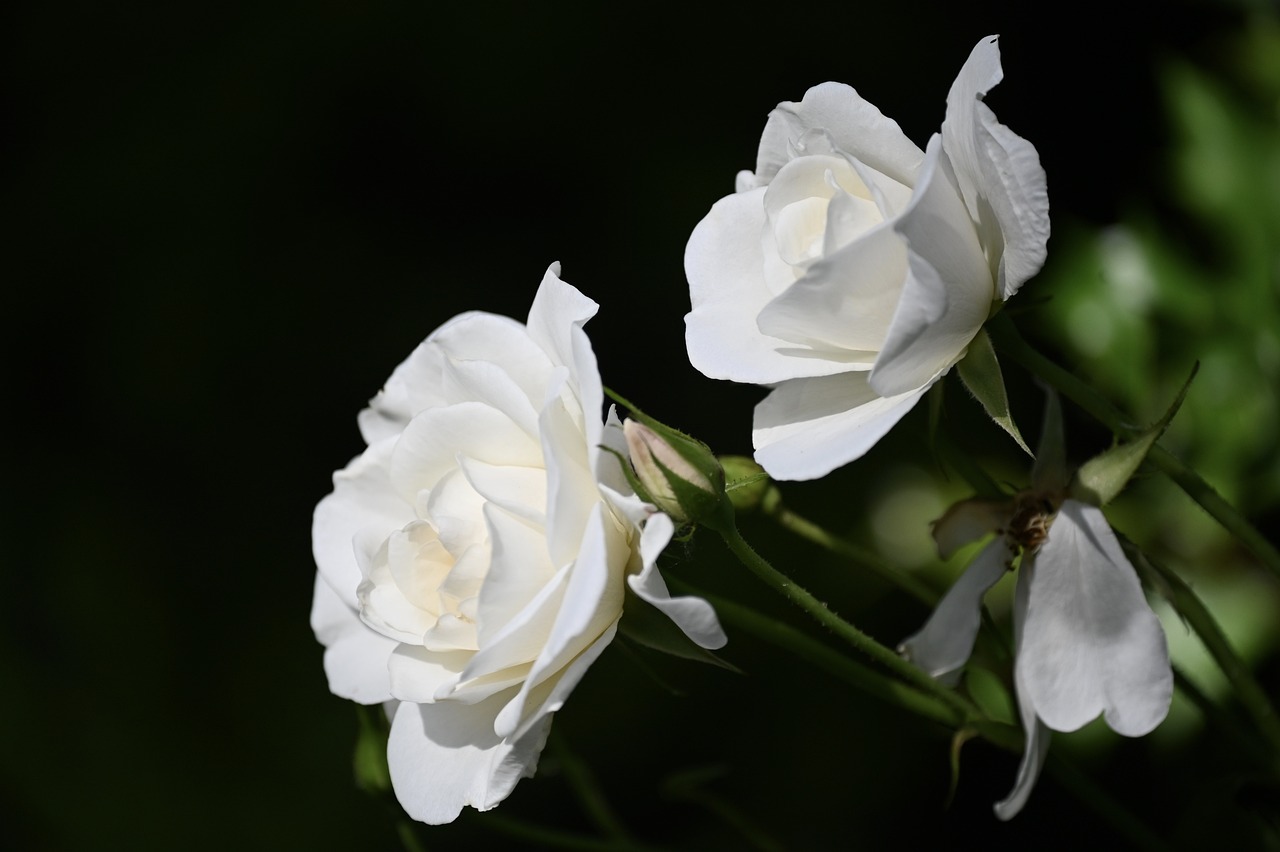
<point x="886" y="657"/>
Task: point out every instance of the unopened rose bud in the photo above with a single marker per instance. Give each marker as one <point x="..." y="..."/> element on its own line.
<point x="673" y="483"/>
<point x="746" y="483"/>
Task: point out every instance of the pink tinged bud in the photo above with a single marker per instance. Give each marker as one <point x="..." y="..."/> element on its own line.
<point x="658" y="466"/>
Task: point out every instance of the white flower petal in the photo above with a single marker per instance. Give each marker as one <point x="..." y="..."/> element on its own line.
<point x="351" y="650"/>
<point x="413" y="386"/>
<point x="842" y="306"/>
<point x="499" y="340"/>
<point x="1091" y="644"/>
<point x="522" y="491"/>
<point x="725" y="267"/>
<point x="948" y="293"/>
<point x="493" y="385"/>
<point x="592" y="604"/>
<point x="999" y="172"/>
<point x="694" y="616"/>
<point x="853" y="125"/>
<point x="519" y="568"/>
<point x="555" y="322"/>
<point x="445" y="756"/>
<point x="429" y="447"/>
<point x="362" y="500"/>
<point x="418" y="674"/>
<point x="1037" y="735"/>
<point x="806" y="428"/>
<point x="572" y="492"/>
<point x="943" y="645"/>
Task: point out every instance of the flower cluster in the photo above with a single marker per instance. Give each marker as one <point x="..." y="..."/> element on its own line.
<point x="483" y="550"/>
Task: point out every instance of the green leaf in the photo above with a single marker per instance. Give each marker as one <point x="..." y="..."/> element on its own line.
<point x="1104" y="476"/>
<point x="980" y="372"/>
<point x="370" y="758"/>
<point x="645" y="624"/>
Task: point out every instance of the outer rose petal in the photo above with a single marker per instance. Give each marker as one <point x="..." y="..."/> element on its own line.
<point x="1037" y="734"/>
<point x="351" y="650"/>
<point x="446" y="756"/>
<point x="948" y="293"/>
<point x="944" y="644"/>
<point x="999" y="171"/>
<point x="853" y="124"/>
<point x="362" y="500"/>
<point x="694" y="616"/>
<point x="725" y="267"/>
<point x="1090" y="642"/>
<point x="806" y="428"/>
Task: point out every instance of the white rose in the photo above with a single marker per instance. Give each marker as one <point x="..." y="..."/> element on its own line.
<point x="472" y="559"/>
<point x="851" y="270"/>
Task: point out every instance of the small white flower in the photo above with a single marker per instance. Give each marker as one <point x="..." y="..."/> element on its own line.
<point x="1087" y="642"/>
<point x="851" y="270"/>
<point x="472" y="560"/>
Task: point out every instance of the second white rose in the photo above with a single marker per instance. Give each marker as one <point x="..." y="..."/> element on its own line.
<point x="851" y="270"/>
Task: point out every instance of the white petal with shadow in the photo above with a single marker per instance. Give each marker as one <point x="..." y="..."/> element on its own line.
<point x="1091" y="644"/>
<point x="806" y="428"/>
<point x="943" y="645"/>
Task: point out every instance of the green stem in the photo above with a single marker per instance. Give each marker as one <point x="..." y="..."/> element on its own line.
<point x="1247" y="691"/>
<point x="886" y="657"/>
<point x="1083" y="394"/>
<point x="772" y="506"/>
<point x="806" y="648"/>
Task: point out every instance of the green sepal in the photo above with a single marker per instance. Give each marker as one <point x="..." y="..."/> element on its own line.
<point x="369" y="761"/>
<point x="1100" y="479"/>
<point x="645" y="624"/>
<point x="980" y="372"/>
<point x="629" y="474"/>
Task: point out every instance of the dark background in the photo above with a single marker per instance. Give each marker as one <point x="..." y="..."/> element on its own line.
<point x="226" y="223"/>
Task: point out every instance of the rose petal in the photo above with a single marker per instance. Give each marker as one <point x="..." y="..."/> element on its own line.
<point x="943" y="645"/>
<point x="843" y="305"/>
<point x="498" y="340"/>
<point x="592" y="604"/>
<point x="725" y="267"/>
<point x="445" y="756"/>
<point x="853" y="125"/>
<point x="429" y="447"/>
<point x="355" y="657"/>
<point x="948" y="293"/>
<point x="692" y="615"/>
<point x="362" y="500"/>
<point x="806" y="428"/>
<point x="999" y="172"/>
<point x="572" y="492"/>
<point x="519" y="568"/>
<point x="414" y="385"/>
<point x="1091" y="644"/>
<point x="1038" y="736"/>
